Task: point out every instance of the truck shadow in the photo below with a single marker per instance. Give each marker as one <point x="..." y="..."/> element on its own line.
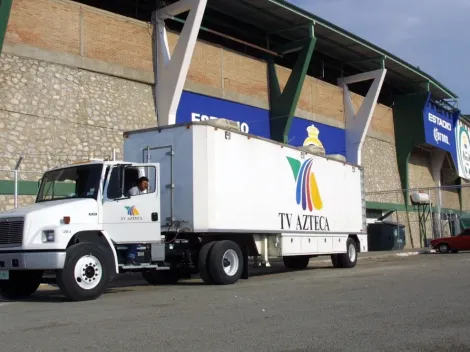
<point x="132" y="281"/>
<point x="136" y="280"/>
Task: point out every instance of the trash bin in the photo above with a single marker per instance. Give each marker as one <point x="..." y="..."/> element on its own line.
<point x="386" y="236"/>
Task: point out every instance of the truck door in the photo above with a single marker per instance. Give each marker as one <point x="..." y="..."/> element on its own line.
<point x="131" y="219"/>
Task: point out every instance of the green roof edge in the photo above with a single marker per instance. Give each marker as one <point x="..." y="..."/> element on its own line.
<point x="380" y="51"/>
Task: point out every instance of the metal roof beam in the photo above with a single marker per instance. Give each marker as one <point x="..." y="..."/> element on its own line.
<point x="291" y="28"/>
<point x="302" y="13"/>
<point x="283" y="104"/>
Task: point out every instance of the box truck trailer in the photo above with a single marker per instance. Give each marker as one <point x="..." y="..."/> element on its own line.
<point x="215" y="198"/>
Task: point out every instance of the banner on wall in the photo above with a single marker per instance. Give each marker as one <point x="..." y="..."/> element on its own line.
<point x="198" y="107"/>
<point x="462" y="150"/>
<point x="438" y="127"/>
<point x="445" y="130"/>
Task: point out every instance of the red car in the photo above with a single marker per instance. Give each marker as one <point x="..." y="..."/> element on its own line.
<point x="453" y="244"/>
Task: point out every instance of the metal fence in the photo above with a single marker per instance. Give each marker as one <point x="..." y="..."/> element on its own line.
<point x="440" y="217"/>
<point x="18" y="184"/>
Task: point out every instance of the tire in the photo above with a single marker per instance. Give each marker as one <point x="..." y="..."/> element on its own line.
<point x="296" y="262"/>
<point x="225" y="263"/>
<point x="86" y="272"/>
<point x="203" y="263"/>
<point x="335" y="261"/>
<point x="348" y="259"/>
<point x="22" y="284"/>
<point x="161" y="277"/>
<point x="444" y="248"/>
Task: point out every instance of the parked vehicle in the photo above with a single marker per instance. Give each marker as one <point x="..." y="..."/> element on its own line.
<point x="453" y="244"/>
<point x="216" y="197"/>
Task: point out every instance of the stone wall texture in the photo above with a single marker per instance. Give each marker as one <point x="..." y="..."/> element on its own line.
<point x="54" y="114"/>
<point x="70" y="27"/>
<point x="381" y="172"/>
<point x="465" y="196"/>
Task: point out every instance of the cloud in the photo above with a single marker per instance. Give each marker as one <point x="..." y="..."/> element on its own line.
<point x="431" y="34"/>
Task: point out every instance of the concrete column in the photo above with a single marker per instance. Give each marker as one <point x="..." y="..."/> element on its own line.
<point x="437" y="159"/>
<point x="357" y="124"/>
<point x="171" y="70"/>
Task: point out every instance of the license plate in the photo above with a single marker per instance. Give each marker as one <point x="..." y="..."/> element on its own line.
<point x="4" y="275"/>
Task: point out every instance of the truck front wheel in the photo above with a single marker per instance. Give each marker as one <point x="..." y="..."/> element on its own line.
<point x="85" y="273"/>
<point x="21" y="284"/>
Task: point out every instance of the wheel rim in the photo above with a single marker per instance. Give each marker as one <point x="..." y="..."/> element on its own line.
<point x="88" y="272"/>
<point x="230" y="262"/>
<point x="443" y="248"/>
<point x="352" y="252"/>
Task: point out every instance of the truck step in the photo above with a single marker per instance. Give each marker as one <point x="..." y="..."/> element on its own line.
<point x="142" y="266"/>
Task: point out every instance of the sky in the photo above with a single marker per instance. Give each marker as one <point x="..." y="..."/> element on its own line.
<point x="431" y="34"/>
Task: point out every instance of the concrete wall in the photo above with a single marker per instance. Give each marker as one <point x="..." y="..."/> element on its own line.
<point x="68" y="27"/>
<point x="55" y="114"/>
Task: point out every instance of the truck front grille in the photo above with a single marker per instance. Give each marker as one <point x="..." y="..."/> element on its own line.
<point x="11" y="231"/>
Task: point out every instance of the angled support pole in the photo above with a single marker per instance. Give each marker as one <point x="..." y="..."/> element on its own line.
<point x="171" y="70"/>
<point x="283" y="104"/>
<point x="5" y="8"/>
<point x="358" y="123"/>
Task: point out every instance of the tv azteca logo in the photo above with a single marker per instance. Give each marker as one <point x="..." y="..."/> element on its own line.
<point x="307" y="195"/>
<point x="132" y="213"/>
<point x="306" y="191"/>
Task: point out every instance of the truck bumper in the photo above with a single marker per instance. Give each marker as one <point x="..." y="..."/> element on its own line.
<point x="32" y="260"/>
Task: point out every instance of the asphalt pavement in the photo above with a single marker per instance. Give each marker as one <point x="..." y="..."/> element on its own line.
<point x="396" y="303"/>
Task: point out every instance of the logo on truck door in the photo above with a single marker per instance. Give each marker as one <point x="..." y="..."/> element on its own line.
<point x="132" y="213"/>
<point x="307" y="195"/>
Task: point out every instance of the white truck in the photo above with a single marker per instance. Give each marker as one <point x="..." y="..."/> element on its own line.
<point x="215" y="198"/>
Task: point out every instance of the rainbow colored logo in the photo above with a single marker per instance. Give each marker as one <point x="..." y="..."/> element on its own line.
<point x="132" y="211"/>
<point x="307" y="193"/>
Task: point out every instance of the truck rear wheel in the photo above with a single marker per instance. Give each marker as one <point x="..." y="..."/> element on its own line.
<point x="203" y="263"/>
<point x="296" y="262"/>
<point x="85" y="273"/>
<point x="22" y="284"/>
<point x="348" y="259"/>
<point x="225" y="262"/>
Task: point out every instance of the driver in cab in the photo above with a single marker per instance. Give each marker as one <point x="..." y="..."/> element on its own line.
<point x="140" y="188"/>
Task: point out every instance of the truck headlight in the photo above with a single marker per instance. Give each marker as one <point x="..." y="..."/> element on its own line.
<point x="48" y="236"/>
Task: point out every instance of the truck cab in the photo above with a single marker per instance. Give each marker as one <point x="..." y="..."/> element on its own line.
<point x="81" y="228"/>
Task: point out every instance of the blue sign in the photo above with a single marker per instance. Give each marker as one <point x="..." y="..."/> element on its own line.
<point x="197" y="107"/>
<point x="438" y="127"/>
<point x="305" y="132"/>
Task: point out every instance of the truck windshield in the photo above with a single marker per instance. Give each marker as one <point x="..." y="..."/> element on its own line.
<point x="72" y="182"/>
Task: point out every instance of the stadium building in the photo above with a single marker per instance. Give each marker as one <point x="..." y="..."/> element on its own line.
<point x="75" y="74"/>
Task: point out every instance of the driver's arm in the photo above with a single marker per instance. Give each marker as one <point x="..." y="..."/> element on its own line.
<point x="133" y="191"/>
